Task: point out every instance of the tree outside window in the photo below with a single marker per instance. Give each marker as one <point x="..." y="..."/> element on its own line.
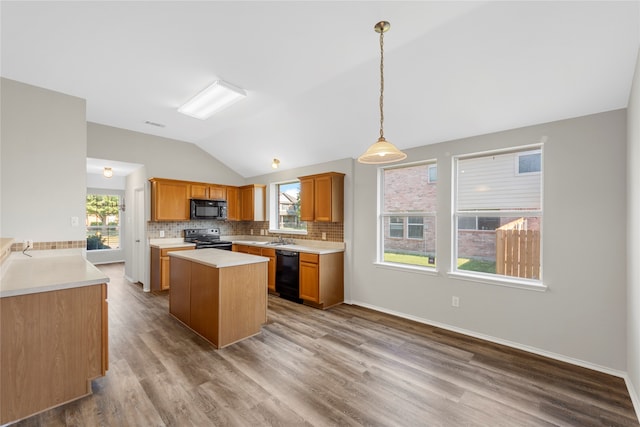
<point x="103" y="221"/>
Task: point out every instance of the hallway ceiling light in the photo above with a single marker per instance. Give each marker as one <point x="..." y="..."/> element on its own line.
<point x="382" y="151"/>
<point x="212" y="99"/>
<point x="107" y="172"/>
<point x="275" y="163"/>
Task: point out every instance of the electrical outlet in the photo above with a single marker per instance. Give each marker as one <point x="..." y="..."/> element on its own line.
<point x="455" y="302"/>
<point x="161" y="233"/>
<point x="28" y="244"/>
<point x="324" y="236"/>
<point x="252" y="231"/>
<point x="262" y="232"/>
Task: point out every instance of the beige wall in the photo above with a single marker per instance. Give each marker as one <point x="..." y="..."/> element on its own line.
<point x="581" y="318"/>
<point x="43" y="163"/>
<point x="633" y="242"/>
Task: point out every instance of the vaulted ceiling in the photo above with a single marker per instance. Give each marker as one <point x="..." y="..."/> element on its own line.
<point x="311" y="68"/>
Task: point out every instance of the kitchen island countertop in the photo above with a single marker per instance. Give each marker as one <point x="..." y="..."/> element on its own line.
<point x="218" y="258"/>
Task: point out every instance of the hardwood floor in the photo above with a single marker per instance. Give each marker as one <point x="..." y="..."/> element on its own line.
<point x="346" y="366"/>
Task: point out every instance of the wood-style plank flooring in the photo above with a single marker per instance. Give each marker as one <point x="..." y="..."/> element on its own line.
<point x="347" y="366"/>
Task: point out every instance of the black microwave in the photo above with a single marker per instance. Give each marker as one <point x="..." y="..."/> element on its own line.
<point x="208" y="209"/>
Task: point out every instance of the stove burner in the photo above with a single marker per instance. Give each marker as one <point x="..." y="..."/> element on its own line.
<point x="206" y="238"/>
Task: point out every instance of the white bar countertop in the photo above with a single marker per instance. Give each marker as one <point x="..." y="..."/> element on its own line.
<point x="163" y="243"/>
<point x="47" y="271"/>
<point x="218" y="258"/>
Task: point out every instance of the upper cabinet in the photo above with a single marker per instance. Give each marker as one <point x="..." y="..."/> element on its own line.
<point x="322" y="197"/>
<point x="208" y="191"/>
<point x="169" y="200"/>
<point x="252" y="202"/>
<point x="233" y="203"/>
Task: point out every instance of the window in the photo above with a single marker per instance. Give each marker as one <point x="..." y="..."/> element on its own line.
<point x="498" y="214"/>
<point x="396" y="227"/>
<point x="408" y="201"/>
<point x="288" y="207"/>
<point x="103" y="221"/>
<point x="530" y="162"/>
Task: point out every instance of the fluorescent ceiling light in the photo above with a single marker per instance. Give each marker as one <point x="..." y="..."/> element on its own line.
<point x="214" y="98"/>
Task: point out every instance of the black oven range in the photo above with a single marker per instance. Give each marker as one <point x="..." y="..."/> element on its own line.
<point x="206" y="238"/>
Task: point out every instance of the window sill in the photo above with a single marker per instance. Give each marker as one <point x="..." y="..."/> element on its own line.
<point x="514" y="282"/>
<point x="298" y="232"/>
<point x="407" y="268"/>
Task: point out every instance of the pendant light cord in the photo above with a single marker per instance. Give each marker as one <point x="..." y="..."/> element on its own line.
<point x="381" y="84"/>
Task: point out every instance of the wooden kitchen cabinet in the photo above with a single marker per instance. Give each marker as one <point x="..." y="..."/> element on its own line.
<point x="207" y="191"/>
<point x="52" y="344"/>
<point x="265" y="252"/>
<point x="233" y="203"/>
<point x="252" y="202"/>
<point x="169" y="200"/>
<point x="322" y="279"/>
<point x="160" y="266"/>
<point x="322" y="197"/>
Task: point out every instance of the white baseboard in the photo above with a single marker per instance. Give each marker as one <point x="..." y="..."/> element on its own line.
<point x="633" y="394"/>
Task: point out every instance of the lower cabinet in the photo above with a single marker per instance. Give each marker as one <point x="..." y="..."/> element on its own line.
<point x="52" y="344"/>
<point x="265" y="252"/>
<point x="160" y="266"/>
<point x="322" y="279"/>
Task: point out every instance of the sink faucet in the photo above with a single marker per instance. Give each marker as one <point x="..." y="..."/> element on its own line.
<point x="280" y="240"/>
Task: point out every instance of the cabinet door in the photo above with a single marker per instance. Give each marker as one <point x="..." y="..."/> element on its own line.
<point x="233" y="204"/>
<point x="309" y="283"/>
<point x="205" y="301"/>
<point x="322" y="198"/>
<point x="217" y="192"/>
<point x="254" y="250"/>
<point x="164" y="273"/>
<point x="246" y="203"/>
<point x="170" y="201"/>
<point x="199" y="191"/>
<point x="271" y="268"/>
<point x="306" y="199"/>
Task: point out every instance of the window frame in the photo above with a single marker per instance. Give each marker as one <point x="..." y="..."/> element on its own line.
<point x="274" y="210"/>
<point x="492" y="278"/>
<point x="106" y="192"/>
<point x="380" y="252"/>
<point x="527" y="153"/>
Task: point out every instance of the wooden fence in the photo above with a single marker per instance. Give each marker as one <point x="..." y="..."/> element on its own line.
<point x="518" y="251"/>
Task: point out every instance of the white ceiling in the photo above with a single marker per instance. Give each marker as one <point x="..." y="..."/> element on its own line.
<point x="311" y="69"/>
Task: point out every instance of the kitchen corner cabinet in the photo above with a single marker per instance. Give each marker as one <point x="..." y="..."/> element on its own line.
<point x="169" y="200"/>
<point x="322" y="197"/>
<point x="265" y="252"/>
<point x="207" y="191"/>
<point x="322" y="279"/>
<point x="160" y="266"/>
<point x="252" y="202"/>
<point x="52" y="344"/>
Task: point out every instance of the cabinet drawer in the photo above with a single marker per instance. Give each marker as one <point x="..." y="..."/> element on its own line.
<point x="305" y="257"/>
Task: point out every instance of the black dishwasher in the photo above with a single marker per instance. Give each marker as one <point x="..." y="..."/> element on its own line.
<point x="287" y="278"/>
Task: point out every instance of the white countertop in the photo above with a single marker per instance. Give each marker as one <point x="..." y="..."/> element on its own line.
<point x="301" y="246"/>
<point x="218" y="258"/>
<point x="46" y="272"/>
<point x="170" y="243"/>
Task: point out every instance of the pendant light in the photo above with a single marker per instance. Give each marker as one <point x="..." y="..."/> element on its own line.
<point x="382" y="151"/>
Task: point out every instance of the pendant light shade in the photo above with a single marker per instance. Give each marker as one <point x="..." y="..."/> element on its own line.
<point x="382" y="151"/>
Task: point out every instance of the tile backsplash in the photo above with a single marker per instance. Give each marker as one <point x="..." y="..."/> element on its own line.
<point x="173" y="229"/>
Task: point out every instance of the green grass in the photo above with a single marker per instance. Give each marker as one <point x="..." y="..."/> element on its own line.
<point x="423" y="261"/>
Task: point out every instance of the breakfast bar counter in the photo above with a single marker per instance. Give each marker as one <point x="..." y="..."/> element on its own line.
<point x="220" y="295"/>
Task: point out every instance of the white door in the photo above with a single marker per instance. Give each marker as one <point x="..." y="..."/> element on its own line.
<point x="139" y="241"/>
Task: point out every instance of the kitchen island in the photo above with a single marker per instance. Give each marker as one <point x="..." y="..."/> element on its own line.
<point x="53" y="331"/>
<point x="220" y="295"/>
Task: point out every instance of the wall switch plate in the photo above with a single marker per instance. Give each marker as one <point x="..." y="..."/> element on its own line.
<point x="455" y="302"/>
<point x="161" y="233"/>
<point x="75" y="221"/>
<point x="262" y="232"/>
